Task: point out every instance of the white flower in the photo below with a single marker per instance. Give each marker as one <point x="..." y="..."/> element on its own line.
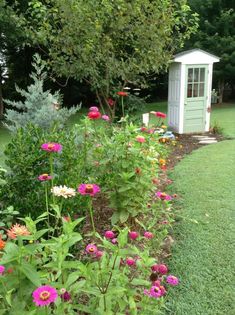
<point x="126" y="88"/>
<point x="63" y="191"/>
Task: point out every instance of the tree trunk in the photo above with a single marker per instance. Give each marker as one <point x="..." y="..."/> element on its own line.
<point x="221" y="91"/>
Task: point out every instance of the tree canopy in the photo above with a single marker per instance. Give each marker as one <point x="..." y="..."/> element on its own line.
<point x="216" y="34"/>
<point x="109" y="43"/>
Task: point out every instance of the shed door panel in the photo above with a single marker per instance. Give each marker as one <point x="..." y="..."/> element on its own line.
<point x="195" y="98"/>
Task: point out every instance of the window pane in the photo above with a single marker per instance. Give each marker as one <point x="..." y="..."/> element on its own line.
<point x="201" y="89"/>
<point x="202" y="75"/>
<point x="195" y="90"/>
<point x="189" y="92"/>
<point x="190" y="74"/>
<point x="196" y="75"/>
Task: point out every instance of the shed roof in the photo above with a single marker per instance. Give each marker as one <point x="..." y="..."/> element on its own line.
<point x="197" y="55"/>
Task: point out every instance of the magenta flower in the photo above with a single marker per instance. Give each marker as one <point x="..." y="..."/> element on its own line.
<point x="163" y="196"/>
<point x="93" y="109"/>
<point x="148" y="235"/>
<point x="105" y="117"/>
<point x="88" y="189"/>
<point x="99" y="254"/>
<point x="162" y="269"/>
<point x="65" y="295"/>
<point x="91" y="249"/>
<point x="109" y="234"/>
<point x="114" y="241"/>
<point x="2" y="269"/>
<point x="168" y="198"/>
<point x="172" y="280"/>
<point x="155" y="291"/>
<point x="44" y="177"/>
<point x="51" y="147"/>
<point x="133" y="235"/>
<point x="130" y="261"/>
<point x="44" y="295"/>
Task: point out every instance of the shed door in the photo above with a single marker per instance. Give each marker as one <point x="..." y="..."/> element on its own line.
<point x="195" y="98"/>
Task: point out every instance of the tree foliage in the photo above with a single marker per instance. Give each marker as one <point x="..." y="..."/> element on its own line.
<point x="108" y="43"/>
<point x="216" y="34"/>
<point x="40" y="107"/>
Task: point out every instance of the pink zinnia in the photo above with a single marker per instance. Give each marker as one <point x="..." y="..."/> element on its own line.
<point x="140" y="139"/>
<point x="109" y="234"/>
<point x="105" y="117"/>
<point x="172" y="280"/>
<point x="2" y="269"/>
<point x="44" y="177"/>
<point x="148" y="235"/>
<point x="88" y="189"/>
<point x="133" y="235"/>
<point x="91" y="249"/>
<point x="51" y="147"/>
<point x="44" y="295"/>
<point x="130" y="261"/>
<point x="93" y="109"/>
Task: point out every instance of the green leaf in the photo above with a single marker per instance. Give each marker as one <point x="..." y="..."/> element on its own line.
<point x="30" y="272"/>
<point x="124" y="215"/>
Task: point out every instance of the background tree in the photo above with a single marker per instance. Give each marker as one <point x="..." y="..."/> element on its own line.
<point x="216" y="34"/>
<point x="109" y="43"/>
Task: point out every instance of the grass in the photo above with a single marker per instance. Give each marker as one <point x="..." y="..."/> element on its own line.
<point x="224" y="116"/>
<point x="204" y="252"/>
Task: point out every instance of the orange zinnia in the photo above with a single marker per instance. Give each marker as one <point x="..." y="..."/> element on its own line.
<point x="2" y="243"/>
<point x="17" y="230"/>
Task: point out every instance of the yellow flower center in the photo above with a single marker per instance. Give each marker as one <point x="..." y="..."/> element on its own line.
<point x="156" y="289"/>
<point x="91" y="249"/>
<point x="45" y="295"/>
<point x="51" y="145"/>
<point x="89" y="188"/>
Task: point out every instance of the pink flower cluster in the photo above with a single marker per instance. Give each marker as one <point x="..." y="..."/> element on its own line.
<point x="94" y="113"/>
<point x="2" y="269"/>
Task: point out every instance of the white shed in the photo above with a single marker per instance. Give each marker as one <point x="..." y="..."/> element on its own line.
<point x="189" y="91"/>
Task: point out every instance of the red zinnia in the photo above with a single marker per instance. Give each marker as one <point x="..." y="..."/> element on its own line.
<point x="160" y="114"/>
<point x="122" y="93"/>
<point x="94" y="115"/>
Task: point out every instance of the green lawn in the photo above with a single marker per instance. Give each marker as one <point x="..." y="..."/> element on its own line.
<point x="204" y="252"/>
<point x="224" y="115"/>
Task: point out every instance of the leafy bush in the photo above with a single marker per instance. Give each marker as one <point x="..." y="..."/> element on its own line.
<point x="40" y="107"/>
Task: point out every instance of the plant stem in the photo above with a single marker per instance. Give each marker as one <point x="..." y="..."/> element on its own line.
<point x="91" y="215"/>
<point x="123" y="113"/>
<point x="47" y="208"/>
<point x="52" y="174"/>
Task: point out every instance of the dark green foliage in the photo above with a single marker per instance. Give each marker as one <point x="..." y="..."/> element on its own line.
<point x="216" y="34"/>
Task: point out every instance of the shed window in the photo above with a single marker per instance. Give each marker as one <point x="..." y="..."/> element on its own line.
<point x="196" y="82"/>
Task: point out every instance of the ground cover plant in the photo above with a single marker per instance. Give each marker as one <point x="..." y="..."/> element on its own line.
<point x="50" y="263"/>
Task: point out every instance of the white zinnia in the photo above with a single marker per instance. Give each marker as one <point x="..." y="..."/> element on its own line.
<point x="63" y="191"/>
